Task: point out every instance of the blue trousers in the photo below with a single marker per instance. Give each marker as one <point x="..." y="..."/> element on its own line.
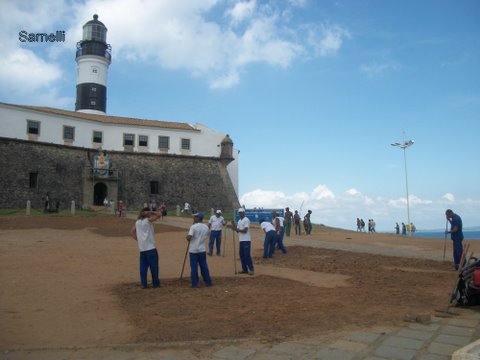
<point x="279" y="240"/>
<point x="268" y="244"/>
<point x="196" y="260"/>
<point x="457" y="252"/>
<point x="149" y="259"/>
<point x="245" y="257"/>
<point x="215" y="237"/>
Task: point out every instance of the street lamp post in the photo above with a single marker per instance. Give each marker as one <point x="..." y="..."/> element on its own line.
<point x="404" y="146"/>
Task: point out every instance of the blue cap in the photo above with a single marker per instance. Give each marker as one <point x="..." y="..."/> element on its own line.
<point x="199" y="215"/>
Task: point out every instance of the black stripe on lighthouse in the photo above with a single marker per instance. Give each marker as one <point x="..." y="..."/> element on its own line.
<point x="91" y="96"/>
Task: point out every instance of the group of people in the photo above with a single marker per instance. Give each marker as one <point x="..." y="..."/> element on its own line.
<point x="143" y="232"/>
<point x="274" y="231"/>
<point x="361" y="225"/>
<point x="409" y="228"/>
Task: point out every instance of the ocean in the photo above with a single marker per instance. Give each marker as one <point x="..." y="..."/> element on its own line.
<point x="468" y="235"/>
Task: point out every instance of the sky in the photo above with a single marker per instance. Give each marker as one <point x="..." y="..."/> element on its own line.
<point x="312" y="92"/>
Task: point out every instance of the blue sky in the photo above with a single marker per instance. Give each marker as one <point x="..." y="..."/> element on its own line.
<point x="312" y="93"/>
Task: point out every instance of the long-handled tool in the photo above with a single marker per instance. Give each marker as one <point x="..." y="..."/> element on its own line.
<point x="463" y="258"/>
<point x="184" y="260"/>
<point x="234" y="226"/>
<point x="445" y="242"/>
<point x="224" y="240"/>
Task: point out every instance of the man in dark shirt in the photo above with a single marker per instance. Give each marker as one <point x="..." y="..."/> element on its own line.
<point x="456" y="234"/>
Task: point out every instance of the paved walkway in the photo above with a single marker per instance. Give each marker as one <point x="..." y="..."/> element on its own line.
<point x="422" y="339"/>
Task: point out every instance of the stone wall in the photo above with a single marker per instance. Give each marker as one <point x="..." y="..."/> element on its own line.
<point x="65" y="173"/>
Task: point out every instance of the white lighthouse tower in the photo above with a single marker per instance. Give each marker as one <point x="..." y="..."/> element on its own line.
<point x="93" y="58"/>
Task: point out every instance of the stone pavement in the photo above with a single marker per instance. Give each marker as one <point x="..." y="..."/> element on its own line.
<point x="436" y="340"/>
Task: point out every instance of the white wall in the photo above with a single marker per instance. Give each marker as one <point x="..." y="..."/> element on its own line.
<point x="203" y="140"/>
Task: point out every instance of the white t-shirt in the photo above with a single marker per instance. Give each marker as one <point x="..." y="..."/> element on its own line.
<point x="216" y="222"/>
<point x="266" y="226"/>
<point x="242" y="224"/>
<point x="145" y="234"/>
<point x="199" y="233"/>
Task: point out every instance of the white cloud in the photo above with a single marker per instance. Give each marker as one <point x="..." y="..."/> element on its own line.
<point x="30" y="70"/>
<point x="341" y="210"/>
<point x="326" y="40"/>
<point x="449" y="197"/>
<point x="355" y="196"/>
<point x="171" y="34"/>
<point x="241" y="11"/>
<point x="413" y="200"/>
<point x="375" y="69"/>
<point x="298" y="3"/>
<point x="322" y="192"/>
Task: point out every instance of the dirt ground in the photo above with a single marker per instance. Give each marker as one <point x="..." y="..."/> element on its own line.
<point x="73" y="281"/>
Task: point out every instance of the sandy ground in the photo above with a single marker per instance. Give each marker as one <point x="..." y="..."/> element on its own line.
<point x="73" y="281"/>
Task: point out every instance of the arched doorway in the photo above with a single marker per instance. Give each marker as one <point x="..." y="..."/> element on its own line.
<point x="100" y="192"/>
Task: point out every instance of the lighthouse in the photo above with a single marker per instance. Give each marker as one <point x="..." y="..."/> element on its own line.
<point x="93" y="59"/>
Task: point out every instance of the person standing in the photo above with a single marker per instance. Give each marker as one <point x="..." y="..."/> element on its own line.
<point x="359" y="225"/>
<point x="296" y="220"/>
<point x="412" y="229"/>
<point x="244" y="239"/>
<point x="143" y="233"/>
<point x="456" y="234"/>
<point x="278" y="223"/>
<point x="196" y="237"/>
<point x="268" y="243"/>
<point x="288" y="221"/>
<point x="397" y="229"/>
<point x="404" y="229"/>
<point x="215" y="225"/>
<point x="307" y="223"/>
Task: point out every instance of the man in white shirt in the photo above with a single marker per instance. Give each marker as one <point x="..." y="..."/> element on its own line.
<point x="243" y="230"/>
<point x="215" y="225"/>
<point x="198" y="256"/>
<point x="270" y="233"/>
<point x="143" y="233"/>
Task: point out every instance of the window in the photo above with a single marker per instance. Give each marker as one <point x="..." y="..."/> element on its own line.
<point x="68" y="133"/>
<point x="128" y="140"/>
<point x="33" y="127"/>
<point x="163" y="142"/>
<point x="93" y="102"/>
<point x="142" y="140"/>
<point x="33" y="180"/>
<point x="97" y="137"/>
<point x="185" y="144"/>
<point x="153" y="187"/>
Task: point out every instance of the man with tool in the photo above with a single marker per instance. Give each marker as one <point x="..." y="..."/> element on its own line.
<point x="198" y="256"/>
<point x="243" y="230"/>
<point x="215" y="225"/>
<point x="456" y="234"/>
